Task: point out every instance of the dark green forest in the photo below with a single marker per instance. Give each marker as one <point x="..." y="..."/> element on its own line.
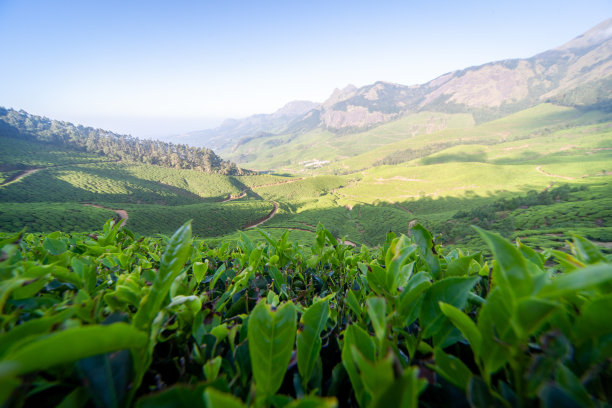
<point x="22" y="125"/>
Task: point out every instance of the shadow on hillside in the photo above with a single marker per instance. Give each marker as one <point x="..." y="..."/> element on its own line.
<point x="369" y="223"/>
<point x="45" y="186"/>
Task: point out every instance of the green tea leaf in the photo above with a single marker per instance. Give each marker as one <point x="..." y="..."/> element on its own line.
<point x="312" y="323"/>
<point x="199" y="270"/>
<point x="353" y="303"/>
<point x="71" y="345"/>
<point x="54" y="246"/>
<point x="171" y="263"/>
<point x="594" y="319"/>
<point x="589" y="277"/>
<point x="452" y="369"/>
<point x="376" y="376"/>
<point x="377" y="311"/>
<point x="453" y="291"/>
<point x="179" y="396"/>
<point x="354" y="336"/>
<point x="404" y="392"/>
<point x="218" y="399"/>
<point x="498" y="335"/>
<point x="464" y="324"/>
<point x="512" y="266"/>
<point x="271" y="337"/>
<point x="531" y="313"/>
<point x="312" y="401"/>
<point x="586" y="251"/>
<point x="424" y="240"/>
<point x="459" y="266"/>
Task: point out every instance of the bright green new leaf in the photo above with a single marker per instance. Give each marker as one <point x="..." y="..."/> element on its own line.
<point x="312" y="323"/>
<point x="212" y="367"/>
<point x="28" y="331"/>
<point x="580" y="279"/>
<point x="71" y="345"/>
<point x="171" y="263"/>
<point x="459" y="266"/>
<point x="586" y="251"/>
<point x="199" y="270"/>
<point x="271" y="337"/>
<point x="312" y="401"/>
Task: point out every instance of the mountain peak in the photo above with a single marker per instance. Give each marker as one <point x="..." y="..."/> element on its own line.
<point x="340" y="94"/>
<point x="598" y="34"/>
<point x="296" y="108"/>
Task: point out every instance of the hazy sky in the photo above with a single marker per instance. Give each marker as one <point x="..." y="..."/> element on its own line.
<point x="153" y="68"/>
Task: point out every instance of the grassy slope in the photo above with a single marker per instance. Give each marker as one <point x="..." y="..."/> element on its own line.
<point x="157" y="199"/>
<point x="531" y="150"/>
<point x="287" y="151"/>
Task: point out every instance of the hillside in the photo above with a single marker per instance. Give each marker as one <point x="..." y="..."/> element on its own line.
<point x="440" y="178"/>
<point x="112" y="146"/>
<point x="577" y="74"/>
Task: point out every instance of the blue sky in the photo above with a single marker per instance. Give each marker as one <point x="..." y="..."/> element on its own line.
<point x="155" y="68"/>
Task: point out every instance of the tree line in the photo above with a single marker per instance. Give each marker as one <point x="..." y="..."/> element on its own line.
<point x="20" y="124"/>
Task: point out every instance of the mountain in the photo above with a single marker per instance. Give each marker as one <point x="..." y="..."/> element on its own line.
<point x="577" y="74"/>
<point x="232" y="130"/>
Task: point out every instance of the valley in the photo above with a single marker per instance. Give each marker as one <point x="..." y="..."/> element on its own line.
<point x="427" y="177"/>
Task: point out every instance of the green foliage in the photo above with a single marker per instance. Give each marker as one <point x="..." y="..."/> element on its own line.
<point x="111" y="319"/>
<point x="21" y="125"/>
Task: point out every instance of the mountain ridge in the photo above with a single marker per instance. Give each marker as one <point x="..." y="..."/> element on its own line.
<point x="577" y="73"/>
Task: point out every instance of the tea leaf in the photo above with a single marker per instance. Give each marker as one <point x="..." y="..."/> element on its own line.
<point x="271" y="338"/>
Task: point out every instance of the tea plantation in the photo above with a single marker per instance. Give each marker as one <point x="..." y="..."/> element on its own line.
<point x="115" y="319"/>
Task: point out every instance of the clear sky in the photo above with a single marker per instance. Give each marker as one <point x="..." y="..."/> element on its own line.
<point x="154" y="68"/>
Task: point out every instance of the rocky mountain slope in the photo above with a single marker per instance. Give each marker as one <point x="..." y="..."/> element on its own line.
<point x="578" y="73"/>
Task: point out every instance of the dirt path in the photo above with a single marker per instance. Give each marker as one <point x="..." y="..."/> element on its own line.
<point x="19" y="176"/>
<point x="279" y="183"/>
<point x="346" y="242"/>
<point x="123" y="215"/>
<point x="27" y="172"/>
<point x="293" y="229"/>
<point x="539" y="169"/>
<point x="269" y="217"/>
<point x="232" y="198"/>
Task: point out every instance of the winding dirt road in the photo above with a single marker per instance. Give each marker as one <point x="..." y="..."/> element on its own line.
<point x="123" y="215"/>
<point x="269" y="216"/>
<point x="19" y="176"/>
<point x="539" y="169"/>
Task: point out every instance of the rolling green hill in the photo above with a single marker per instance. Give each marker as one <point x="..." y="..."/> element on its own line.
<point x="430" y="179"/>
